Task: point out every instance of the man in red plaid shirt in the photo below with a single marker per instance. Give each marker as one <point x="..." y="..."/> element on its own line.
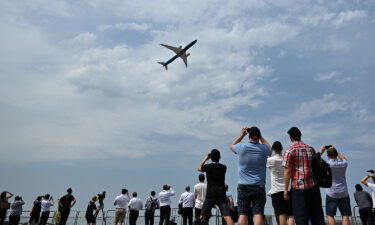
<point x="305" y="194"/>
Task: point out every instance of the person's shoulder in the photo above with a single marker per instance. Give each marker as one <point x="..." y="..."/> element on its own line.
<point x="271" y="158"/>
<point x="371" y="186"/>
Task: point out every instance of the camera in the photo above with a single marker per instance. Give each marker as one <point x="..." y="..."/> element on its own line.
<point x="370" y="171"/>
<point x="327" y="147"/>
<point x="248" y="130"/>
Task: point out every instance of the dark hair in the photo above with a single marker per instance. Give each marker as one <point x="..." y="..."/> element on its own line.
<point x="215" y="155"/>
<point x="124" y="191"/>
<point x="134" y="194"/>
<point x="187" y="188"/>
<point x="358" y="187"/>
<point x="3" y="196"/>
<point x="332" y="153"/>
<point x="46" y="196"/>
<point x="17" y="198"/>
<point x="69" y="190"/>
<point x="277" y="146"/>
<point x="165" y="187"/>
<point x="153" y="193"/>
<point x="201" y="177"/>
<point x="295" y="133"/>
<point x="39" y="198"/>
<point x="254" y="132"/>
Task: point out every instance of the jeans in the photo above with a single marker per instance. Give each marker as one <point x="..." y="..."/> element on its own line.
<point x="187" y="214"/>
<point x="149" y="217"/>
<point x="165" y="214"/>
<point x="307" y="205"/>
<point x="44" y="218"/>
<point x="133" y="216"/>
<point x="367" y="216"/>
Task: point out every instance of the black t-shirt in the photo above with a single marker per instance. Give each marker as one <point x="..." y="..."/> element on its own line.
<point x="66" y="202"/>
<point x="215" y="173"/>
<point x="90" y="209"/>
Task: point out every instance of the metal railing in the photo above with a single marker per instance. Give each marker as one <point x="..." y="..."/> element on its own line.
<point x="78" y="217"/>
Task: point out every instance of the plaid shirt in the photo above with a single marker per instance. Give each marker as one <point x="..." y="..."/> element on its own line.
<point x="299" y="157"/>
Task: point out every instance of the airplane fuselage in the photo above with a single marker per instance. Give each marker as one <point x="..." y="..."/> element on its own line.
<point x="183" y="51"/>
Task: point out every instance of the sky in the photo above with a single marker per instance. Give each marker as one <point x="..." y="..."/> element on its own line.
<point x="84" y="104"/>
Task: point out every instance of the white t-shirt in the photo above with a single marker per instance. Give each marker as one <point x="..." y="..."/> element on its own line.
<point x="122" y="201"/>
<point x="372" y="187"/>
<point x="46" y="205"/>
<point x="200" y="194"/>
<point x="274" y="163"/>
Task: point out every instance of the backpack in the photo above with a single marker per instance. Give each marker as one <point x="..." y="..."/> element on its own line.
<point x="172" y="221"/>
<point x="321" y="171"/>
<point x="151" y="205"/>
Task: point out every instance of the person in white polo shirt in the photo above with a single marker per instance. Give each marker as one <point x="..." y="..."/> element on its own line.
<point x="47" y="202"/>
<point x="135" y="205"/>
<point x="121" y="203"/>
<point x="165" y="204"/>
<point x="187" y="200"/>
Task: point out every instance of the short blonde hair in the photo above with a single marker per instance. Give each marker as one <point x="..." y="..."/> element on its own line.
<point x="94" y="198"/>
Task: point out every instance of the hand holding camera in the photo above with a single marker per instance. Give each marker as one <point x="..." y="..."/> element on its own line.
<point x="324" y="148"/>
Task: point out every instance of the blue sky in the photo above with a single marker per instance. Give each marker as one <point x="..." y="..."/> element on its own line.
<point x="84" y="103"/>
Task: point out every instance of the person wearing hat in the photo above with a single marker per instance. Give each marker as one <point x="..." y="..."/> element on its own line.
<point x="337" y="195"/>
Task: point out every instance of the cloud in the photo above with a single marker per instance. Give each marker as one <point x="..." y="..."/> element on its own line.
<point x="82" y="40"/>
<point x="125" y="26"/>
<point x="337" y="77"/>
<point x="349" y="16"/>
<point x="326" y="76"/>
<point x="81" y="94"/>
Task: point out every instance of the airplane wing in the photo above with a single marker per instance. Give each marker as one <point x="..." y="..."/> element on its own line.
<point x="184" y="58"/>
<point x="176" y="50"/>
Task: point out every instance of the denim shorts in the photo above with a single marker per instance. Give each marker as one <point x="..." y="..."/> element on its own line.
<point x="342" y="203"/>
<point x="251" y="197"/>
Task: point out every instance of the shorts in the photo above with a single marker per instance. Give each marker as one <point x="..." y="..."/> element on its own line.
<point x="342" y="203"/>
<point x="120" y="215"/>
<point x="251" y="198"/>
<point x="280" y="205"/>
<point x="209" y="203"/>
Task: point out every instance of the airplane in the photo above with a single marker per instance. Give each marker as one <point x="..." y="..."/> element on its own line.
<point x="180" y="52"/>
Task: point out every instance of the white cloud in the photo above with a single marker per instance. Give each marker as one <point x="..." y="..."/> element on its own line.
<point x="84" y="98"/>
<point x="349" y="16"/>
<point x="326" y="76"/>
<point x="82" y="40"/>
<point x="125" y="26"/>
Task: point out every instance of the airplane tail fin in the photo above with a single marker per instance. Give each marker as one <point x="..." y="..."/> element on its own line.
<point x="164" y="64"/>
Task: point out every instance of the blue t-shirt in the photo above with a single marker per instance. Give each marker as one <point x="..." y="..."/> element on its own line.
<point x="252" y="162"/>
